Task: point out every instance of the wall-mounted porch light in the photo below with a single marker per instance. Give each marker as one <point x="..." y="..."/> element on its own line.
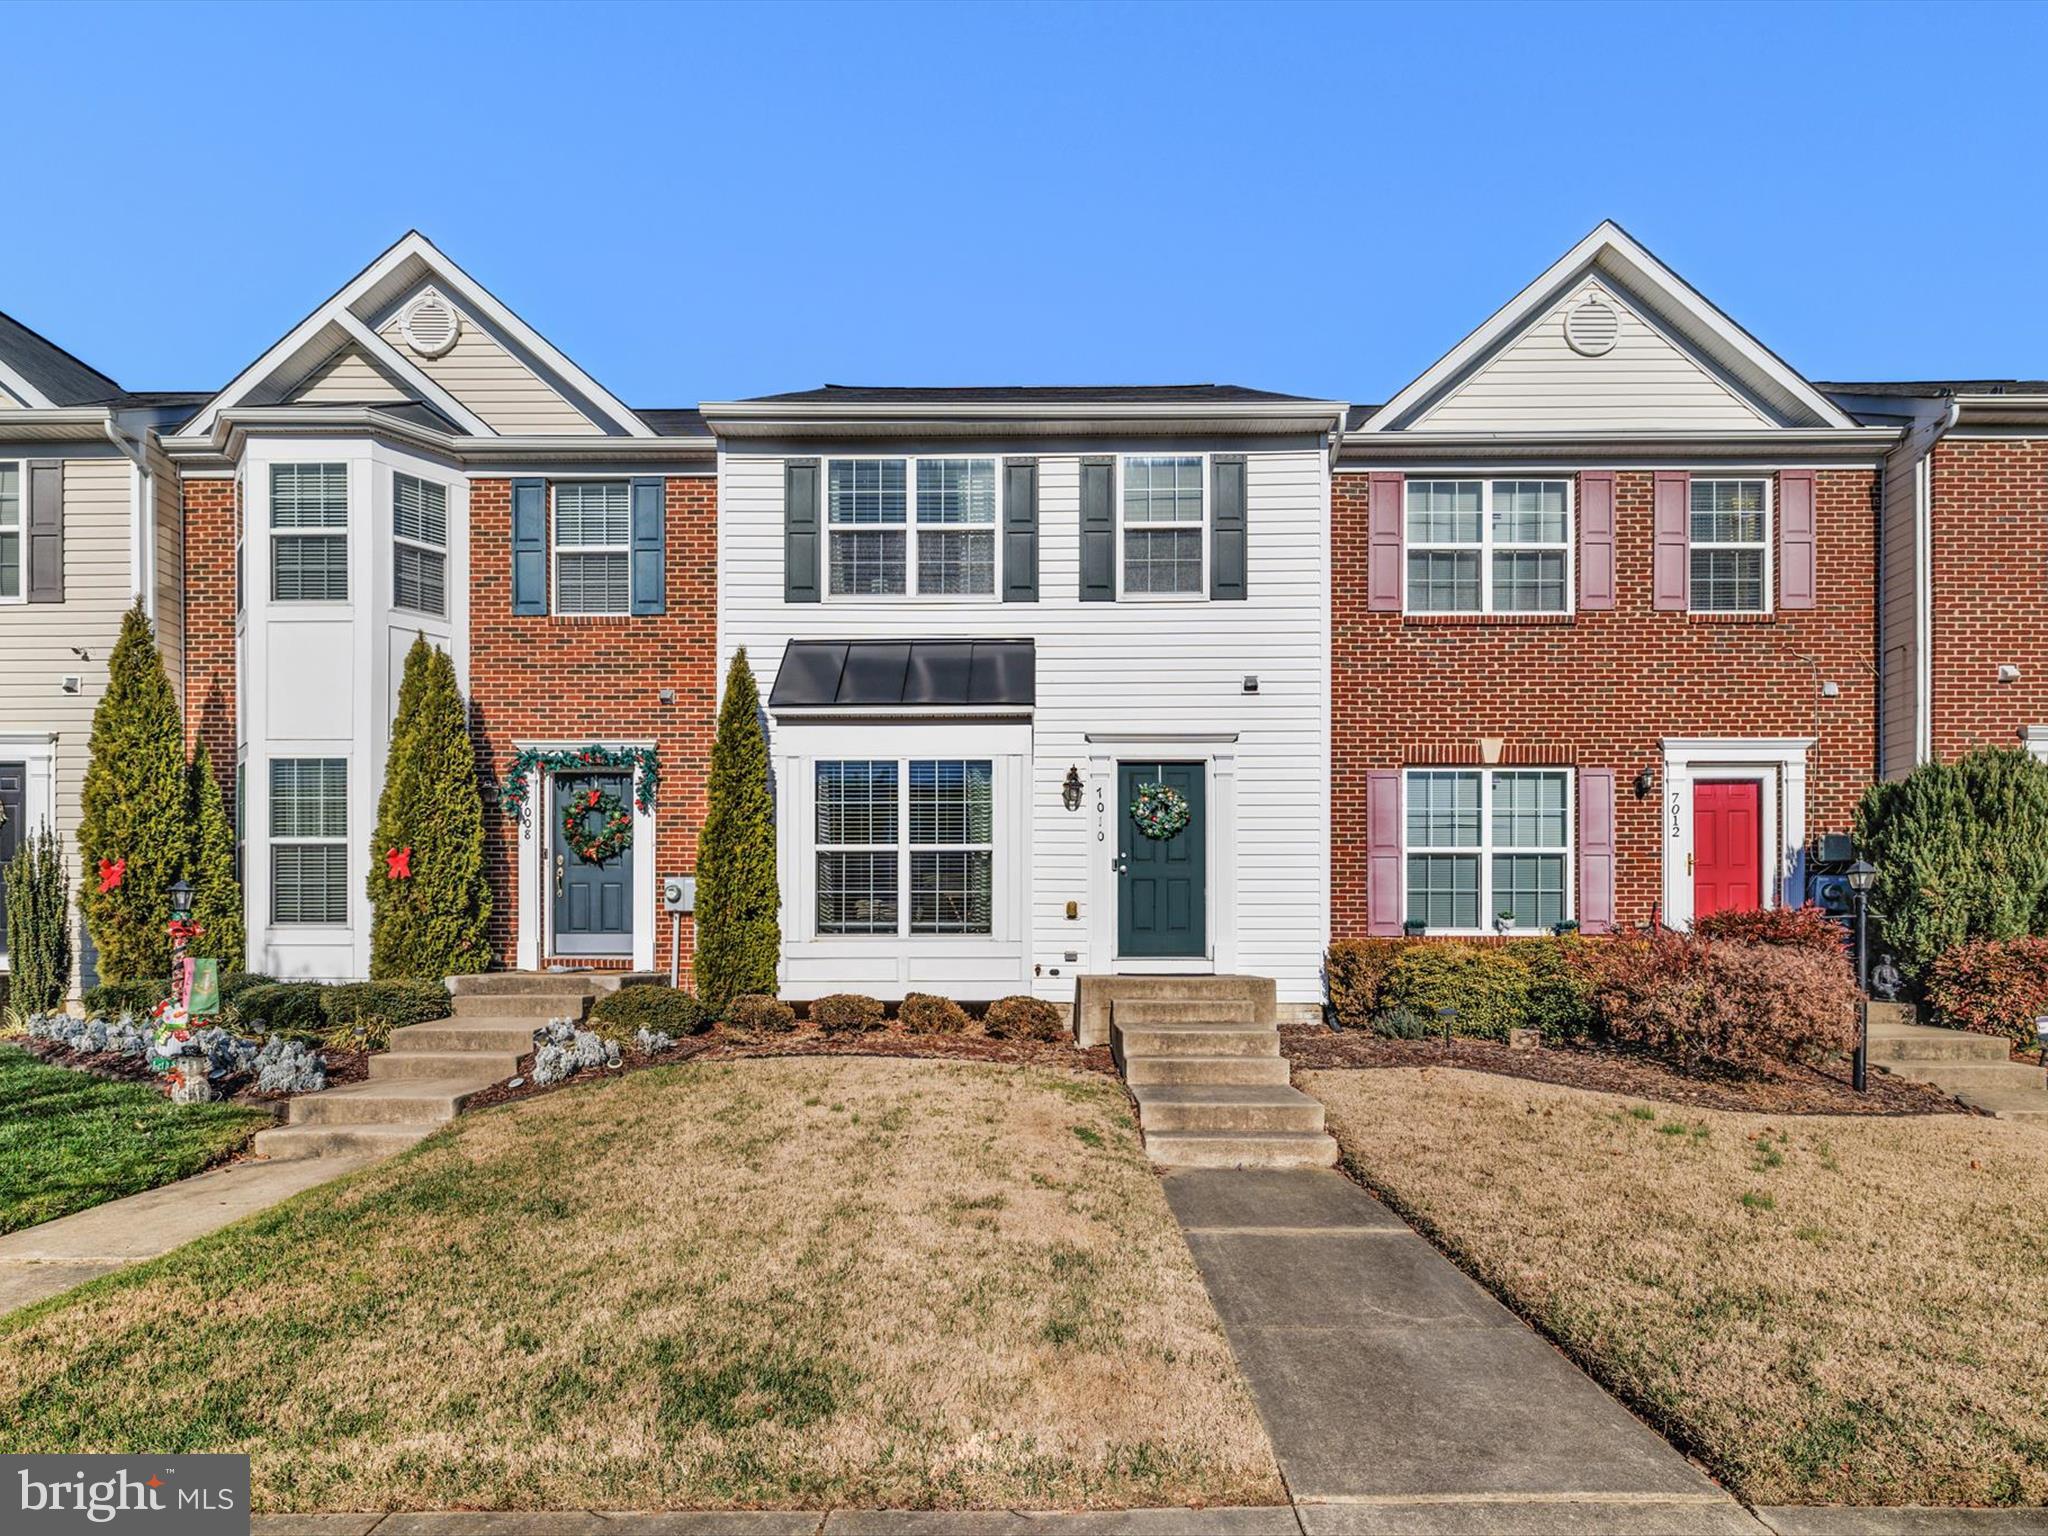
<point x="1070" y="792"/>
<point x="1645" y="782"/>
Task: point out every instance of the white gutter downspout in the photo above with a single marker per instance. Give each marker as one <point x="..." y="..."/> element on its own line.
<point x="141" y="518"/>
<point x="1923" y="586"/>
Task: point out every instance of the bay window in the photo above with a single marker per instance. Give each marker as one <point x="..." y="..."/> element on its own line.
<point x="309" y="840"/>
<point x="419" y="548"/>
<point x="905" y="846"/>
<point x="309" y="533"/>
<point x="1487" y="849"/>
<point x="1488" y="546"/>
<point x="1730" y="546"/>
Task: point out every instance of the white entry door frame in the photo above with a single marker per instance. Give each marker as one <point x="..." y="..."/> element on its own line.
<point x="1218" y="751"/>
<point x="1779" y="764"/>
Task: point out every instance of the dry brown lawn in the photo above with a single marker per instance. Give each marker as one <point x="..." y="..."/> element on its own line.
<point x="1823" y="1309"/>
<point x="775" y="1283"/>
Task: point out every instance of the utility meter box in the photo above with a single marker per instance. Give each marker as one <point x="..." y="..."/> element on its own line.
<point x="679" y="893"/>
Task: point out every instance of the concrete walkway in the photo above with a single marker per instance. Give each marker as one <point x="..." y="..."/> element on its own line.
<point x="1400" y="1396"/>
<point x="42" y="1260"/>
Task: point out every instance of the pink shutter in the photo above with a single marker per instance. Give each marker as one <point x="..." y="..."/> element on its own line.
<point x="1596" y="850"/>
<point x="1596" y="539"/>
<point x="1671" y="511"/>
<point x="1383" y="526"/>
<point x="1796" y="558"/>
<point x="1383" y="852"/>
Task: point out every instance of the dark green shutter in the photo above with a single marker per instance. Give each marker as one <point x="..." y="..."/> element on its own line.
<point x="800" y="531"/>
<point x="1226" y="528"/>
<point x="45" y="562"/>
<point x="1098" y="530"/>
<point x="1020" y="530"/>
<point x="529" y="546"/>
<point x="650" y="546"/>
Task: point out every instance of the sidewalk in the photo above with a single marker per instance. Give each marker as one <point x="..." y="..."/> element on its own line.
<point x="42" y="1260"/>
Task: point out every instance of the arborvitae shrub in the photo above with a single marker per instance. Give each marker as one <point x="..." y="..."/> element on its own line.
<point x="738" y="931"/>
<point x="38" y="924"/>
<point x="216" y="893"/>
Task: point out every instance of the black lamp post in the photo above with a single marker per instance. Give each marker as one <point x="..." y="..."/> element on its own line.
<point x="181" y="899"/>
<point x="181" y="913"/>
<point x="1861" y="878"/>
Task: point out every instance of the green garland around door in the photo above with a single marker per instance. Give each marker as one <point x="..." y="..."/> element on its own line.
<point x="614" y="834"/>
<point x="530" y="764"/>
<point x="1161" y="811"/>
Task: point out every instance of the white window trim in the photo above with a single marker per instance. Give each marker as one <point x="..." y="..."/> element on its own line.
<point x="556" y="550"/>
<point x="1123" y="461"/>
<point x="270" y="597"/>
<point x="400" y="540"/>
<point x="1770" y="577"/>
<point x="1486" y="848"/>
<point x="1779" y="762"/>
<point x="272" y="842"/>
<point x="20" y="468"/>
<point x="905" y="849"/>
<point x="37" y="753"/>
<point x="1486" y="545"/>
<point x="909" y="529"/>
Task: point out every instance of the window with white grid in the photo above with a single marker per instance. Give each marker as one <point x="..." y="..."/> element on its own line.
<point x="308" y="840"/>
<point x="952" y="845"/>
<point x="956" y="527"/>
<point x="309" y="533"/>
<point x="593" y="547"/>
<point x="1488" y="849"/>
<point x="1163" y="537"/>
<point x="13" y="480"/>
<point x="916" y="526"/>
<point x="905" y="846"/>
<point x="1730" y="546"/>
<point x="1488" y="546"/>
<point x="858" y="826"/>
<point x="419" y="545"/>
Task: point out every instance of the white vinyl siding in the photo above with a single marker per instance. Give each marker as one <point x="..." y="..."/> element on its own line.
<point x="1730" y="527"/>
<point x="1163" y="533"/>
<point x="309" y="840"/>
<point x="308" y="566"/>
<point x="349" y="378"/>
<point x="593" y="547"/>
<point x="1487" y="849"/>
<point x="490" y="381"/>
<point x="419" y="545"/>
<point x="1488" y="546"/>
<point x="897" y="527"/>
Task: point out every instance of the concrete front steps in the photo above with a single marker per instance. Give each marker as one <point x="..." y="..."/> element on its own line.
<point x="432" y="1070"/>
<point x="1978" y="1069"/>
<point x="1202" y="1057"/>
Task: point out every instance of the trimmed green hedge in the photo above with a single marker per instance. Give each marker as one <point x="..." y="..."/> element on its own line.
<point x="1398" y="987"/>
<point x="620" y="1015"/>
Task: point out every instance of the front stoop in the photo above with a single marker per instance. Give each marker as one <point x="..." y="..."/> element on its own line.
<point x="1978" y="1069"/>
<point x="1202" y="1057"/>
<point x="432" y="1070"/>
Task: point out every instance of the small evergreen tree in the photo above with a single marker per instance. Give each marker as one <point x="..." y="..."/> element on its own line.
<point x="216" y="893"/>
<point x="38" y="923"/>
<point x="1961" y="851"/>
<point x="433" y="922"/>
<point x="133" y="809"/>
<point x="739" y="933"/>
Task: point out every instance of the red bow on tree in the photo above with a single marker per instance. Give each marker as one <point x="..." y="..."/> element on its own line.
<point x="398" y="864"/>
<point x="111" y="871"/>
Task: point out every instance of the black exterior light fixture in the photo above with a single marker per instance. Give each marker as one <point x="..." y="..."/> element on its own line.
<point x="1070" y="792"/>
<point x="1861" y="877"/>
<point x="1644" y="783"/>
<point x="181" y="899"/>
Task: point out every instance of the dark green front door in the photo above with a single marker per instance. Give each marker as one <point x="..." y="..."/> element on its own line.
<point x="1162" y="884"/>
<point x="593" y="908"/>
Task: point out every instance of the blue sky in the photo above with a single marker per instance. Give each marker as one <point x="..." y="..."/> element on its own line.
<point x="702" y="203"/>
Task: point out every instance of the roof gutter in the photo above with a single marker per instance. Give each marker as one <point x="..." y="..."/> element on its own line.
<point x="752" y="418"/>
<point x="233" y="426"/>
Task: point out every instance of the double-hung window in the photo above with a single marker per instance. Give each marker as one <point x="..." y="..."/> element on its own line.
<point x="905" y="846"/>
<point x="1730" y="546"/>
<point x="309" y="533"/>
<point x="902" y="526"/>
<point x="1488" y="546"/>
<point x="419" y="545"/>
<point x="593" y="547"/>
<point x="866" y="517"/>
<point x="308" y="840"/>
<point x="13" y="484"/>
<point x="1488" y="848"/>
<point x="956" y="527"/>
<point x="1163" y="524"/>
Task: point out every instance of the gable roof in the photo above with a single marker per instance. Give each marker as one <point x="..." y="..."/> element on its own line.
<point x="1620" y="263"/>
<point x="347" y="319"/>
<point x="43" y="375"/>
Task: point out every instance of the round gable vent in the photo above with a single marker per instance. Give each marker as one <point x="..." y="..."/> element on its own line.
<point x="1592" y="327"/>
<point x="430" y="325"/>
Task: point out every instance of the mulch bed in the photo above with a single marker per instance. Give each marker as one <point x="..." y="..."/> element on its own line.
<point x="724" y="1046"/>
<point x="1774" y="1090"/>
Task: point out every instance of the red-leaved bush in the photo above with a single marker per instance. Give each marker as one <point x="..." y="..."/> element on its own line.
<point x="1805" y="927"/>
<point x="1701" y="1003"/>
<point x="1991" y="987"/>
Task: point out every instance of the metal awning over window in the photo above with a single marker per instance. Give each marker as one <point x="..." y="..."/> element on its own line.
<point x="906" y="674"/>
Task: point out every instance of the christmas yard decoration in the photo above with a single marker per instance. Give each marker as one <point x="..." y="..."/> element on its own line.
<point x="398" y="864"/>
<point x="529" y="766"/>
<point x="739" y="933"/>
<point x="1161" y="811"/>
<point x="112" y="872"/>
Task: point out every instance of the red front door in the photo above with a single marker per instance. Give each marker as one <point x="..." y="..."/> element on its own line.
<point x="1727" y="846"/>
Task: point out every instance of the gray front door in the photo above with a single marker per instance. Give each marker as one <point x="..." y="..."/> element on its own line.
<point x="1162" y="884"/>
<point x="593" y="906"/>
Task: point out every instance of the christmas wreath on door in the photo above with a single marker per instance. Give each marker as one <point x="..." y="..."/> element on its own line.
<point x="614" y="834"/>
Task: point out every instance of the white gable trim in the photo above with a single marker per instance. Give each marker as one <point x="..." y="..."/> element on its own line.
<point x="15" y="385"/>
<point x="1641" y="275"/>
<point x="340" y="311"/>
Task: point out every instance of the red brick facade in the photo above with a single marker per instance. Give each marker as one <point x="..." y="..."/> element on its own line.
<point x="210" y="621"/>
<point x="1990" y="584"/>
<point x="1601" y="689"/>
<point x="560" y="678"/>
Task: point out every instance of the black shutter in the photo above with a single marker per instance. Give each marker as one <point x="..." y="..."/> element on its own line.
<point x="800" y="531"/>
<point x="1227" y="528"/>
<point x="13" y="817"/>
<point x="1098" y="530"/>
<point x="1020" y="530"/>
<point x="650" y="546"/>
<point x="46" y="531"/>
<point x="529" y="546"/>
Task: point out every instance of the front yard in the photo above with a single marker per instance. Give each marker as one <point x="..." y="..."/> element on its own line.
<point x="69" y="1140"/>
<point x="773" y="1283"/>
<point x="1822" y="1309"/>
